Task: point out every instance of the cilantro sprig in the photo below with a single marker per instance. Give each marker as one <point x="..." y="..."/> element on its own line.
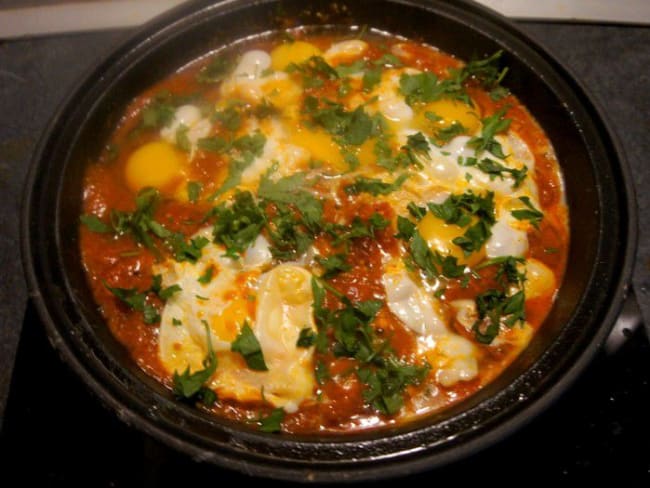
<point x="384" y="375"/>
<point x="249" y="347"/>
<point x="191" y="386"/>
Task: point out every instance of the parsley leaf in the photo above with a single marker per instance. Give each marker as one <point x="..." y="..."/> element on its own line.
<point x="238" y="226"/>
<point x="191" y="385"/>
<point x="385" y="385"/>
<point x="94" y="224"/>
<point x="249" y="347"/>
<point x="495" y="169"/>
<point x="371" y="78"/>
<point x="357" y="228"/>
<point x="206" y="277"/>
<point x="313" y="72"/>
<point x="374" y="186"/>
<point x="531" y="214"/>
<point x="485" y="71"/>
<point x="352" y="127"/>
<point x="492" y="125"/>
<point x="426" y="87"/>
<point x="272" y="422"/>
<point x="307" y="338"/>
<point x="193" y="191"/>
<point x="215" y="71"/>
<point x="291" y="190"/>
<point x="507" y="272"/>
<point x="495" y="307"/>
<point x="140" y="223"/>
<point x="157" y="113"/>
<point x="187" y="251"/>
<point x="333" y="265"/>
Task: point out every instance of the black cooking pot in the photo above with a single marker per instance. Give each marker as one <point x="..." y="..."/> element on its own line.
<point x="602" y="221"/>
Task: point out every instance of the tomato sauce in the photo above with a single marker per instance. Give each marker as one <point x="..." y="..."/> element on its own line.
<point x="339" y="404"/>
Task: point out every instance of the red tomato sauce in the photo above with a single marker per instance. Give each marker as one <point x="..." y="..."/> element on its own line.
<point x="119" y="261"/>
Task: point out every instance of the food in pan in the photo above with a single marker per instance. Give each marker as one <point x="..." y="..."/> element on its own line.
<point x="323" y="233"/>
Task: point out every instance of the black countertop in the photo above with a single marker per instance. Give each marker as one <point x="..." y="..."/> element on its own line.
<point x="600" y="427"/>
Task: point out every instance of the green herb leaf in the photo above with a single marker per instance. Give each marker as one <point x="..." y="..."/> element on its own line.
<point x="492" y="125"/>
<point x="215" y="71"/>
<point x="485" y="71"/>
<point x="333" y="265"/>
<point x="374" y="186"/>
<point x="307" y="338"/>
<point x="531" y="214"/>
<point x="507" y="272"/>
<point x="371" y="78"/>
<point x="230" y="118"/>
<point x="313" y="72"/>
<point x="249" y="347"/>
<point x="206" y="277"/>
<point x="495" y="307"/>
<point x="182" y="141"/>
<point x="272" y="422"/>
<point x="214" y="144"/>
<point x="385" y="386"/>
<point x="130" y="296"/>
<point x="191" y="385"/>
<point x="187" y="251"/>
<point x="352" y="127"/>
<point x="238" y="225"/>
<point x="158" y="113"/>
<point x="193" y="191"/>
<point x="140" y="223"/>
<point x="167" y="293"/>
<point x="93" y="224"/>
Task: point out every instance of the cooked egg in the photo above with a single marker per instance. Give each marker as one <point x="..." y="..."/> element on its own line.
<point x="158" y="164"/>
<point x="540" y="279"/>
<point x="444" y="113"/>
<point x="292" y="53"/>
<point x="453" y="357"/>
<point x="277" y="304"/>
<point x="506" y="241"/>
<point x="187" y="118"/>
<point x="345" y="51"/>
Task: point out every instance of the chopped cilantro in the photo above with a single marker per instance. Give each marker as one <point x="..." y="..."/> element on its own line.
<point x="206" y="277"/>
<point x="531" y="213"/>
<point x="495" y="307"/>
<point x="215" y="71"/>
<point x="374" y="186"/>
<point x="492" y="125"/>
<point x="193" y="191"/>
<point x="272" y="422"/>
<point x="238" y="225"/>
<point x="385" y="385"/>
<point x="191" y="386"/>
<point x="333" y="265"/>
<point x="182" y="140"/>
<point x="307" y="338"/>
<point x="94" y="224"/>
<point x="249" y="347"/>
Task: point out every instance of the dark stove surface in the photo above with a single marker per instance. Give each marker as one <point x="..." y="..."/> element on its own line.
<point x="599" y="428"/>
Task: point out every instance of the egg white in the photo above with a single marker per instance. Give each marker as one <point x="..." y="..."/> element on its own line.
<point x="282" y="308"/>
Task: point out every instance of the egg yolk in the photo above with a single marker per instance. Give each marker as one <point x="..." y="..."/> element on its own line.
<point x="444" y="113"/>
<point x="156" y="164"/>
<point x="226" y="325"/>
<point x="320" y="145"/>
<point x="285" y="95"/>
<point x="295" y="52"/>
<point x="439" y="236"/>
